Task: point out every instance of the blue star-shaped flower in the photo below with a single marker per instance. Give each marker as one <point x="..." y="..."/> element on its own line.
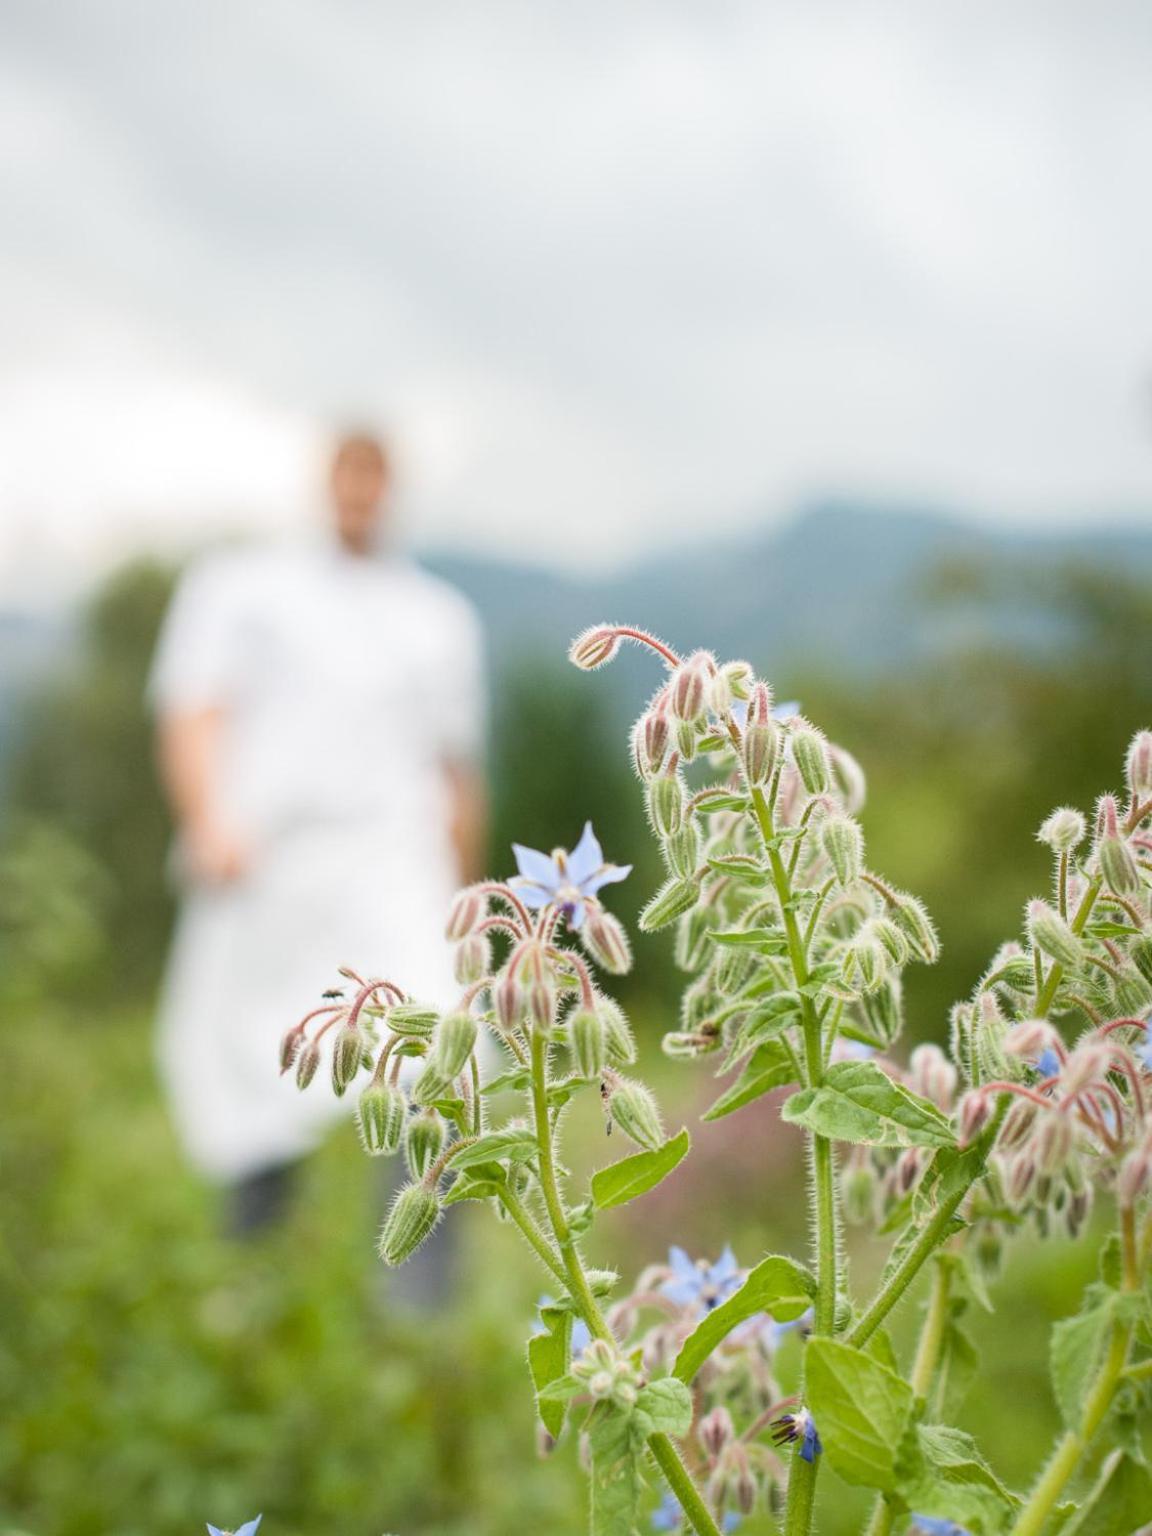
<point x="670" y="1517"/>
<point x="786" y="711"/>
<point x="701" y="1284"/>
<point x="931" y="1525"/>
<point x="1048" y="1063"/>
<point x="565" y="879"/>
<point x="799" y="1426"/>
<point x="248" y="1529"/>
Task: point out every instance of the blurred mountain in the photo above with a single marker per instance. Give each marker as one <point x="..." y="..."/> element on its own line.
<point x="845" y="587"/>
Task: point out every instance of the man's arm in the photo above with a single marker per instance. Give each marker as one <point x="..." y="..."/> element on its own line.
<point x="189" y="743"/>
<point x="468" y="813"/>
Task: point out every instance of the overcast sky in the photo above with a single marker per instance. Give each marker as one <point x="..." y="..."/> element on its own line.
<point x="612" y="270"/>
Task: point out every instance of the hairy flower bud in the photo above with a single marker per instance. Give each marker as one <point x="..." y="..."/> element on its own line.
<point x="1118" y="865"/>
<point x="739" y="678"/>
<point x="858" y="1192"/>
<point x="911" y="916"/>
<point x="848" y="780"/>
<point x="972" y="1116"/>
<point x="632" y="1107"/>
<point x="688" y="690"/>
<point x="472" y="959"/>
<point x="810" y="754"/>
<point x="307" y="1061"/>
<point x="1135" y="1175"/>
<point x="380" y="1116"/>
<point x="291" y="1043"/>
<point x="760" y="751"/>
<point x="1086" y="1066"/>
<point x="1019" y="1176"/>
<point x="883" y="1009"/>
<point x="933" y="1075"/>
<point x="414" y="1021"/>
<point x="1052" y="934"/>
<point x="715" y="1432"/>
<point x="652" y="738"/>
<point x="682" y="850"/>
<point x="864" y="962"/>
<point x="431" y="1085"/>
<point x="1063" y="831"/>
<point x="595" y="647"/>
<point x="409" y="1223"/>
<point x="619" y="1042"/>
<point x="1141" y="956"/>
<point x="347" y="1056"/>
<point x="894" y="939"/>
<point x="605" y="939"/>
<point x="508" y="1002"/>
<point x="675" y="897"/>
<point x="664" y="796"/>
<point x="1052" y="1142"/>
<point x="1138" y="766"/>
<point x="586" y="1042"/>
<point x="468" y="907"/>
<point x="842" y="843"/>
<point x="455" y="1042"/>
<point x="425" y="1136"/>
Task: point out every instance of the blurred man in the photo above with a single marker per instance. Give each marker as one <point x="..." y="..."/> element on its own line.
<point x="320" y="720"/>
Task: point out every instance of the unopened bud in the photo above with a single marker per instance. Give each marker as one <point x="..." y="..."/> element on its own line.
<point x="1031" y="1038"/>
<point x="347" y="1056"/>
<point x="810" y="754"/>
<point x="1085" y="1067"/>
<point x="605" y="939"/>
<point x="541" y="999"/>
<point x="715" y="1432"/>
<point x="842" y="843"/>
<point x="290" y="1046"/>
<point x="739" y="678"/>
<point x="687" y="738"/>
<point x="1134" y="1177"/>
<point x="652" y="738"/>
<point x="409" y="1223"/>
<point x="1141" y="956"/>
<point x="685" y="1045"/>
<point x="414" y="1021"/>
<point x="307" y="1061"/>
<point x="1063" y="831"/>
<point x="665" y="799"/>
<point x="883" y="1009"/>
<point x="760" y="751"/>
<point x="586" y="1042"/>
<point x="972" y="1116"/>
<point x="508" y="1002"/>
<point x="911" y="916"/>
<point x="634" y="1110"/>
<point x="424" y="1139"/>
<point x="619" y="1042"/>
<point x="595" y="647"/>
<point x="1052" y="1142"/>
<point x="1138" y="766"/>
<point x="682" y="850"/>
<point x="674" y="898"/>
<point x="858" y="1193"/>
<point x="1019" y="1177"/>
<point x="1118" y="866"/>
<point x="380" y="1117"/>
<point x="1077" y="1210"/>
<point x="431" y="1086"/>
<point x="864" y="962"/>
<point x="933" y="1075"/>
<point x="472" y="959"/>
<point x="455" y="1042"/>
<point x="1052" y="934"/>
<point x="465" y="912"/>
<point x="1018" y="1124"/>
<point x="688" y="690"/>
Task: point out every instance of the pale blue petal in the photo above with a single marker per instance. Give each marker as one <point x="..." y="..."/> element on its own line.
<point x="683" y="1293"/>
<point x="725" y="1267"/>
<point x="608" y="874"/>
<point x="214" y="1530"/>
<point x="530" y="894"/>
<point x="787" y="710"/>
<point x="536" y="866"/>
<point x="586" y="858"/>
<point x="251" y="1528"/>
<point x="681" y="1265"/>
<point x="574" y="914"/>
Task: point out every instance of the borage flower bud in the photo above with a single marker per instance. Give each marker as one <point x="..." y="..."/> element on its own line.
<point x="688" y="690"/>
<point x="682" y="850"/>
<point x="1052" y="934"/>
<point x="972" y="1116"/>
<point x="595" y="647"/>
<point x="409" y="1223"/>
<point x="664" y="796"/>
<point x="1138" y="766"/>
<point x="424" y="1138"/>
<point x="380" y="1117"/>
<point x="1107" y="817"/>
<point x="347" y="1056"/>
<point x="858" y="1192"/>
<point x="842" y="843"/>
<point x="430" y="1086"/>
<point x="1030" y="1039"/>
<point x="1018" y="1123"/>
<point x="682" y="1045"/>
<point x="290" y="1046"/>
<point x="715" y="1432"/>
<point x="1052" y="1143"/>
<point x="1085" y="1067"/>
<point x="864" y="962"/>
<point x="1020" y="1175"/>
<point x="455" y="1042"/>
<point x="619" y="1041"/>
<point x="1134" y="1177"/>
<point x="307" y="1062"/>
<point x="586" y="1042"/>
<point x="468" y="907"/>
<point x="848" y="780"/>
<point x="739" y="677"/>
<point x="933" y="1075"/>
<point x="605" y="939"/>
<point x="1063" y="831"/>
<point x="631" y="1106"/>
<point x="472" y="959"/>
<point x="1141" y="956"/>
<point x="760" y="751"/>
<point x="810" y="754"/>
<point x="1118" y="866"/>
<point x="911" y="916"/>
<point x="414" y="1021"/>
<point x="652" y="737"/>
<point x="674" y="898"/>
<point x="893" y="939"/>
<point x="508" y="1002"/>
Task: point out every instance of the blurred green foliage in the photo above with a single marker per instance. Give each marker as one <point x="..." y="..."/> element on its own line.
<point x="151" y="1376"/>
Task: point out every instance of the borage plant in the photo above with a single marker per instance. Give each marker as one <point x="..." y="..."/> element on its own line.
<point x="796" y="950"/>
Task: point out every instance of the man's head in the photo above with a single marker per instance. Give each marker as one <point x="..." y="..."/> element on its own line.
<point x="359" y="481"/>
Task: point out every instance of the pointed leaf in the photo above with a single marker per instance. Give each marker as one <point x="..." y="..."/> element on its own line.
<point x="547" y="1362"/>
<point x="861" y="1409"/>
<point x="635" y="1175"/>
<point x="776" y="1285"/>
<point x="859" y="1102"/>
<point x="515" y="1144"/>
<point x="770" y="1066"/>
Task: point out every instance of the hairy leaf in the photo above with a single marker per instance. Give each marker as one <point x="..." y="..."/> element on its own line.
<point x="547" y="1362"/>
<point x="635" y="1175"/>
<point x="1120" y="1501"/>
<point x="859" y="1102"/>
<point x="861" y="1408"/>
<point x="777" y="1285"/>
<point x="770" y="1066"/>
<point x="514" y="1144"/>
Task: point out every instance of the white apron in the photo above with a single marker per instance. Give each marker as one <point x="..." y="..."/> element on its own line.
<point x="347" y="684"/>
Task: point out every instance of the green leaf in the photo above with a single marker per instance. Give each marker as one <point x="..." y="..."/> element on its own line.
<point x="615" y="1477"/>
<point x="776" y="1285"/>
<point x="862" y="1410"/>
<point x="480" y="1183"/>
<point x="665" y="1406"/>
<point x="770" y="1066"/>
<point x="940" y="1472"/>
<point x="1078" y="1345"/>
<point x="635" y="1175"/>
<point x="516" y="1079"/>
<point x="548" y="1362"/>
<point x="1120" y="1501"/>
<point x="763" y="1023"/>
<point x="859" y="1102"/>
<point x="515" y="1144"/>
<point x="767" y="941"/>
<point x="709" y="800"/>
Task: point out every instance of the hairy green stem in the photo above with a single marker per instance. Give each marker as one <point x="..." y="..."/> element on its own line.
<point x="932" y="1331"/>
<point x="664" y="1452"/>
<point x="533" y="1235"/>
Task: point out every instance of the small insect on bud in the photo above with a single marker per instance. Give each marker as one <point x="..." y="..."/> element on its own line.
<point x="595" y="647"/>
<point x="810" y="754"/>
<point x="1053" y="935"/>
<point x="472" y="959"/>
<point x="972" y="1116"/>
<point x="424" y="1139"/>
<point x="455" y="1042"/>
<point x="415" y="1021"/>
<point x="409" y="1223"/>
<point x="307" y="1062"/>
<point x="1063" y="831"/>
<point x="760" y="751"/>
<point x="715" y="1432"/>
<point x="683" y="1045"/>
<point x="632" y="1107"/>
<point x="604" y="938"/>
<point x="468" y="907"/>
<point x="858" y="1193"/>
<point x="1118" y="866"/>
<point x="689" y="688"/>
<point x="674" y="898"/>
<point x="380" y="1117"/>
<point x="586" y="1042"/>
<point x="619" y="1041"/>
<point x="1138" y="766"/>
<point x="291" y="1044"/>
<point x="842" y="843"/>
<point x="911" y="916"/>
<point x="665" y="799"/>
<point x="347" y="1056"/>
